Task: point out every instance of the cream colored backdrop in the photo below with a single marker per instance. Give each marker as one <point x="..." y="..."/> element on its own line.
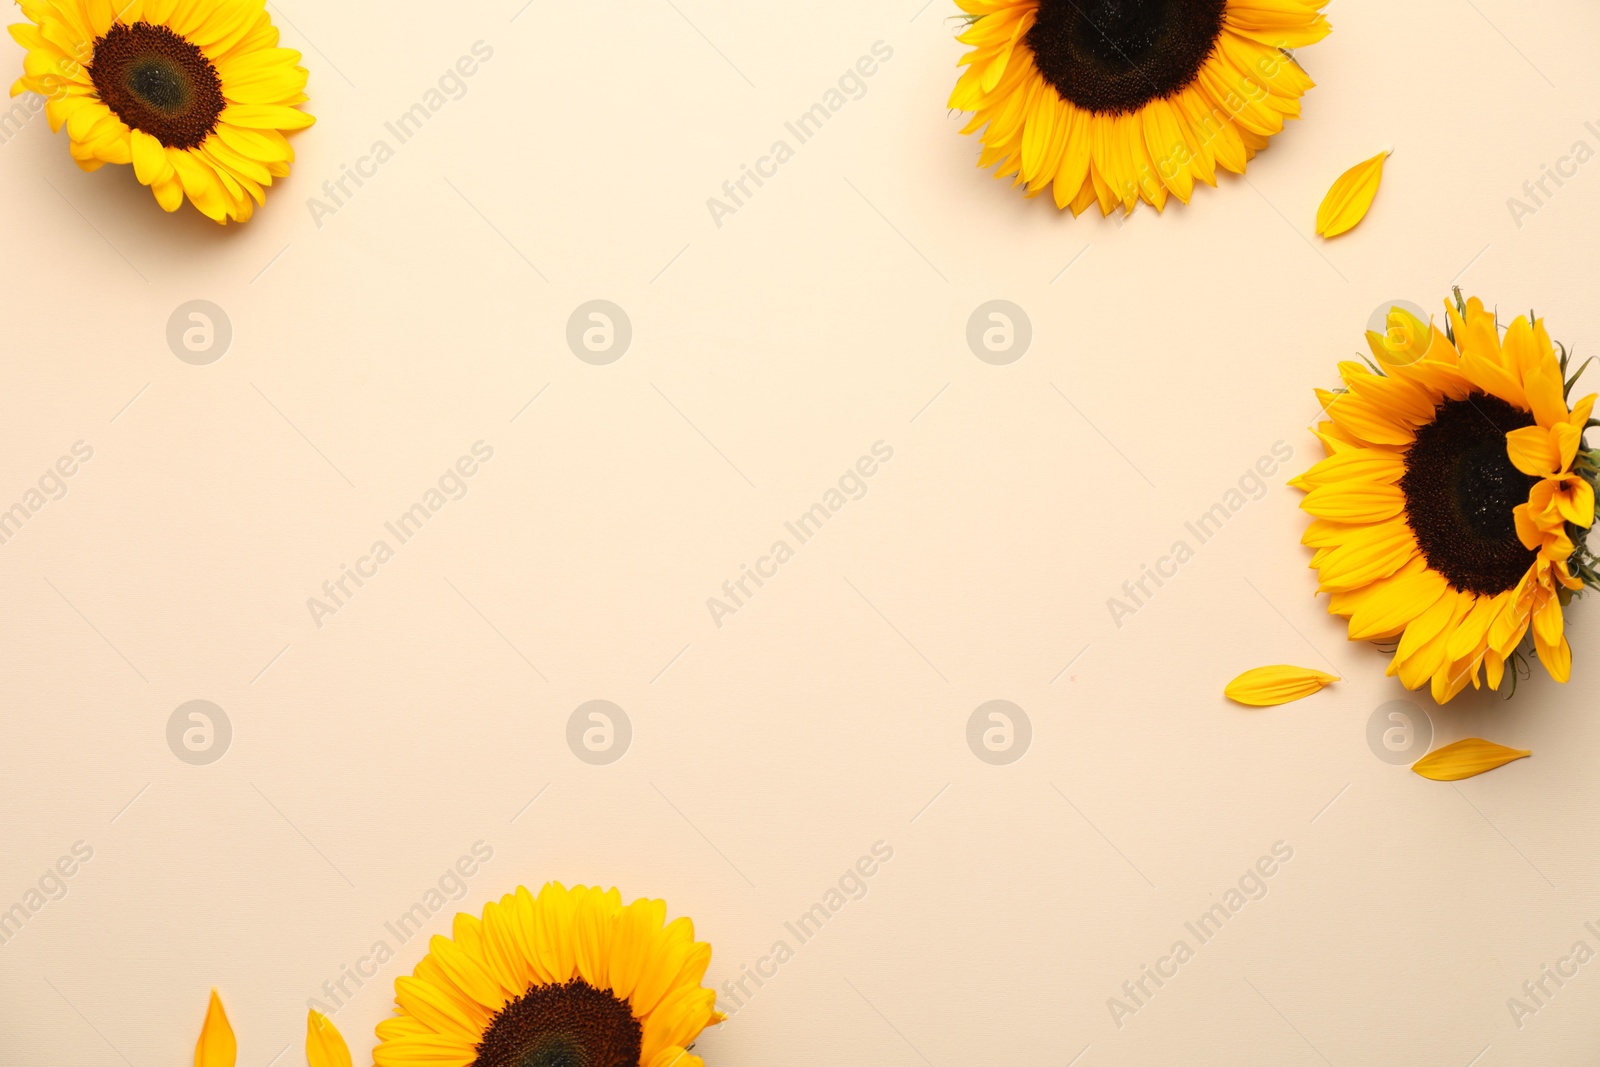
<point x="377" y="339"/>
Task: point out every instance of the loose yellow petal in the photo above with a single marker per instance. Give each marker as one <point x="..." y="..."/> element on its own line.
<point x="1267" y="686"/>
<point x="1350" y="198"/>
<point x="1465" y="759"/>
<point x="325" y="1046"/>
<point x="216" y="1047"/>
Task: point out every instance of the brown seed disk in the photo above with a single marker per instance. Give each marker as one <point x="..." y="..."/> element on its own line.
<point x="157" y="82"/>
<point x="569" y="1025"/>
<point x="1461" y="487"/>
<point x="1115" y="56"/>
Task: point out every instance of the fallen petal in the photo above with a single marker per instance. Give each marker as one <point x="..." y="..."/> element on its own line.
<point x="1351" y="197"/>
<point x="325" y="1046"/>
<point x="1466" y="759"/>
<point x="1268" y="686"/>
<point x="216" y="1047"/>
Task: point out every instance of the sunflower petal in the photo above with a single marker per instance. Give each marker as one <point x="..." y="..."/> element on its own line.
<point x="1557" y="659"/>
<point x="1392" y="606"/>
<point x="1355" y="502"/>
<point x="1533" y="451"/>
<point x="1350" y="197"/>
<point x="325" y="1046"/>
<point x="674" y="1056"/>
<point x="216" y="1047"/>
<point x="1270" y="686"/>
<point x="1466" y="759"/>
<point x="678" y="1019"/>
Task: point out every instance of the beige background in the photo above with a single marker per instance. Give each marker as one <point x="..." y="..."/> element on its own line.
<point x="830" y="712"/>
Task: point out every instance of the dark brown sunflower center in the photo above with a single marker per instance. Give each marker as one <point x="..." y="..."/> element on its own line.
<point x="157" y="82"/>
<point x="1118" y="55"/>
<point x="1461" y="487"/>
<point x="571" y="1025"/>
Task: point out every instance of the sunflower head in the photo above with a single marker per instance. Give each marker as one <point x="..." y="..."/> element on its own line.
<point x="1453" y="508"/>
<point x="567" y="978"/>
<point x="1118" y="101"/>
<point x="196" y="95"/>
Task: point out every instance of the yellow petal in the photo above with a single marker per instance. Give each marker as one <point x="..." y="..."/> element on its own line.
<point x="1568" y="439"/>
<point x="216" y="1047"/>
<point x="150" y="163"/>
<point x="466" y="974"/>
<point x="441" y="1010"/>
<point x="1395" y="604"/>
<point x="1527" y="348"/>
<point x="1361" y="418"/>
<point x="1422" y="646"/>
<point x="1495" y="668"/>
<point x="1350" y="198"/>
<point x="1356" y="465"/>
<point x="1557" y="659"/>
<point x="676" y="951"/>
<point x="501" y="947"/>
<point x="1368" y="554"/>
<point x="637" y="931"/>
<point x="594" y="927"/>
<point x="169" y="194"/>
<point x="677" y="1020"/>
<point x="265" y="117"/>
<point x="553" y="931"/>
<point x="325" y="1046"/>
<point x="424" y="1051"/>
<point x="1578" y="508"/>
<point x="1533" y="451"/>
<point x="1355" y="502"/>
<point x="1582" y="410"/>
<point x="1267" y="686"/>
<point x="674" y="1056"/>
<point x="1548" y="622"/>
<point x="1465" y="759"/>
<point x="1405" y="340"/>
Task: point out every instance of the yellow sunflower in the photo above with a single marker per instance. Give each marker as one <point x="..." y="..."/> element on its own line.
<point x="1117" y="101"/>
<point x="196" y="94"/>
<point x="1454" y="503"/>
<point x="567" y="977"/>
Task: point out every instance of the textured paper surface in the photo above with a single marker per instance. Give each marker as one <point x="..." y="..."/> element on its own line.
<point x="373" y="346"/>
